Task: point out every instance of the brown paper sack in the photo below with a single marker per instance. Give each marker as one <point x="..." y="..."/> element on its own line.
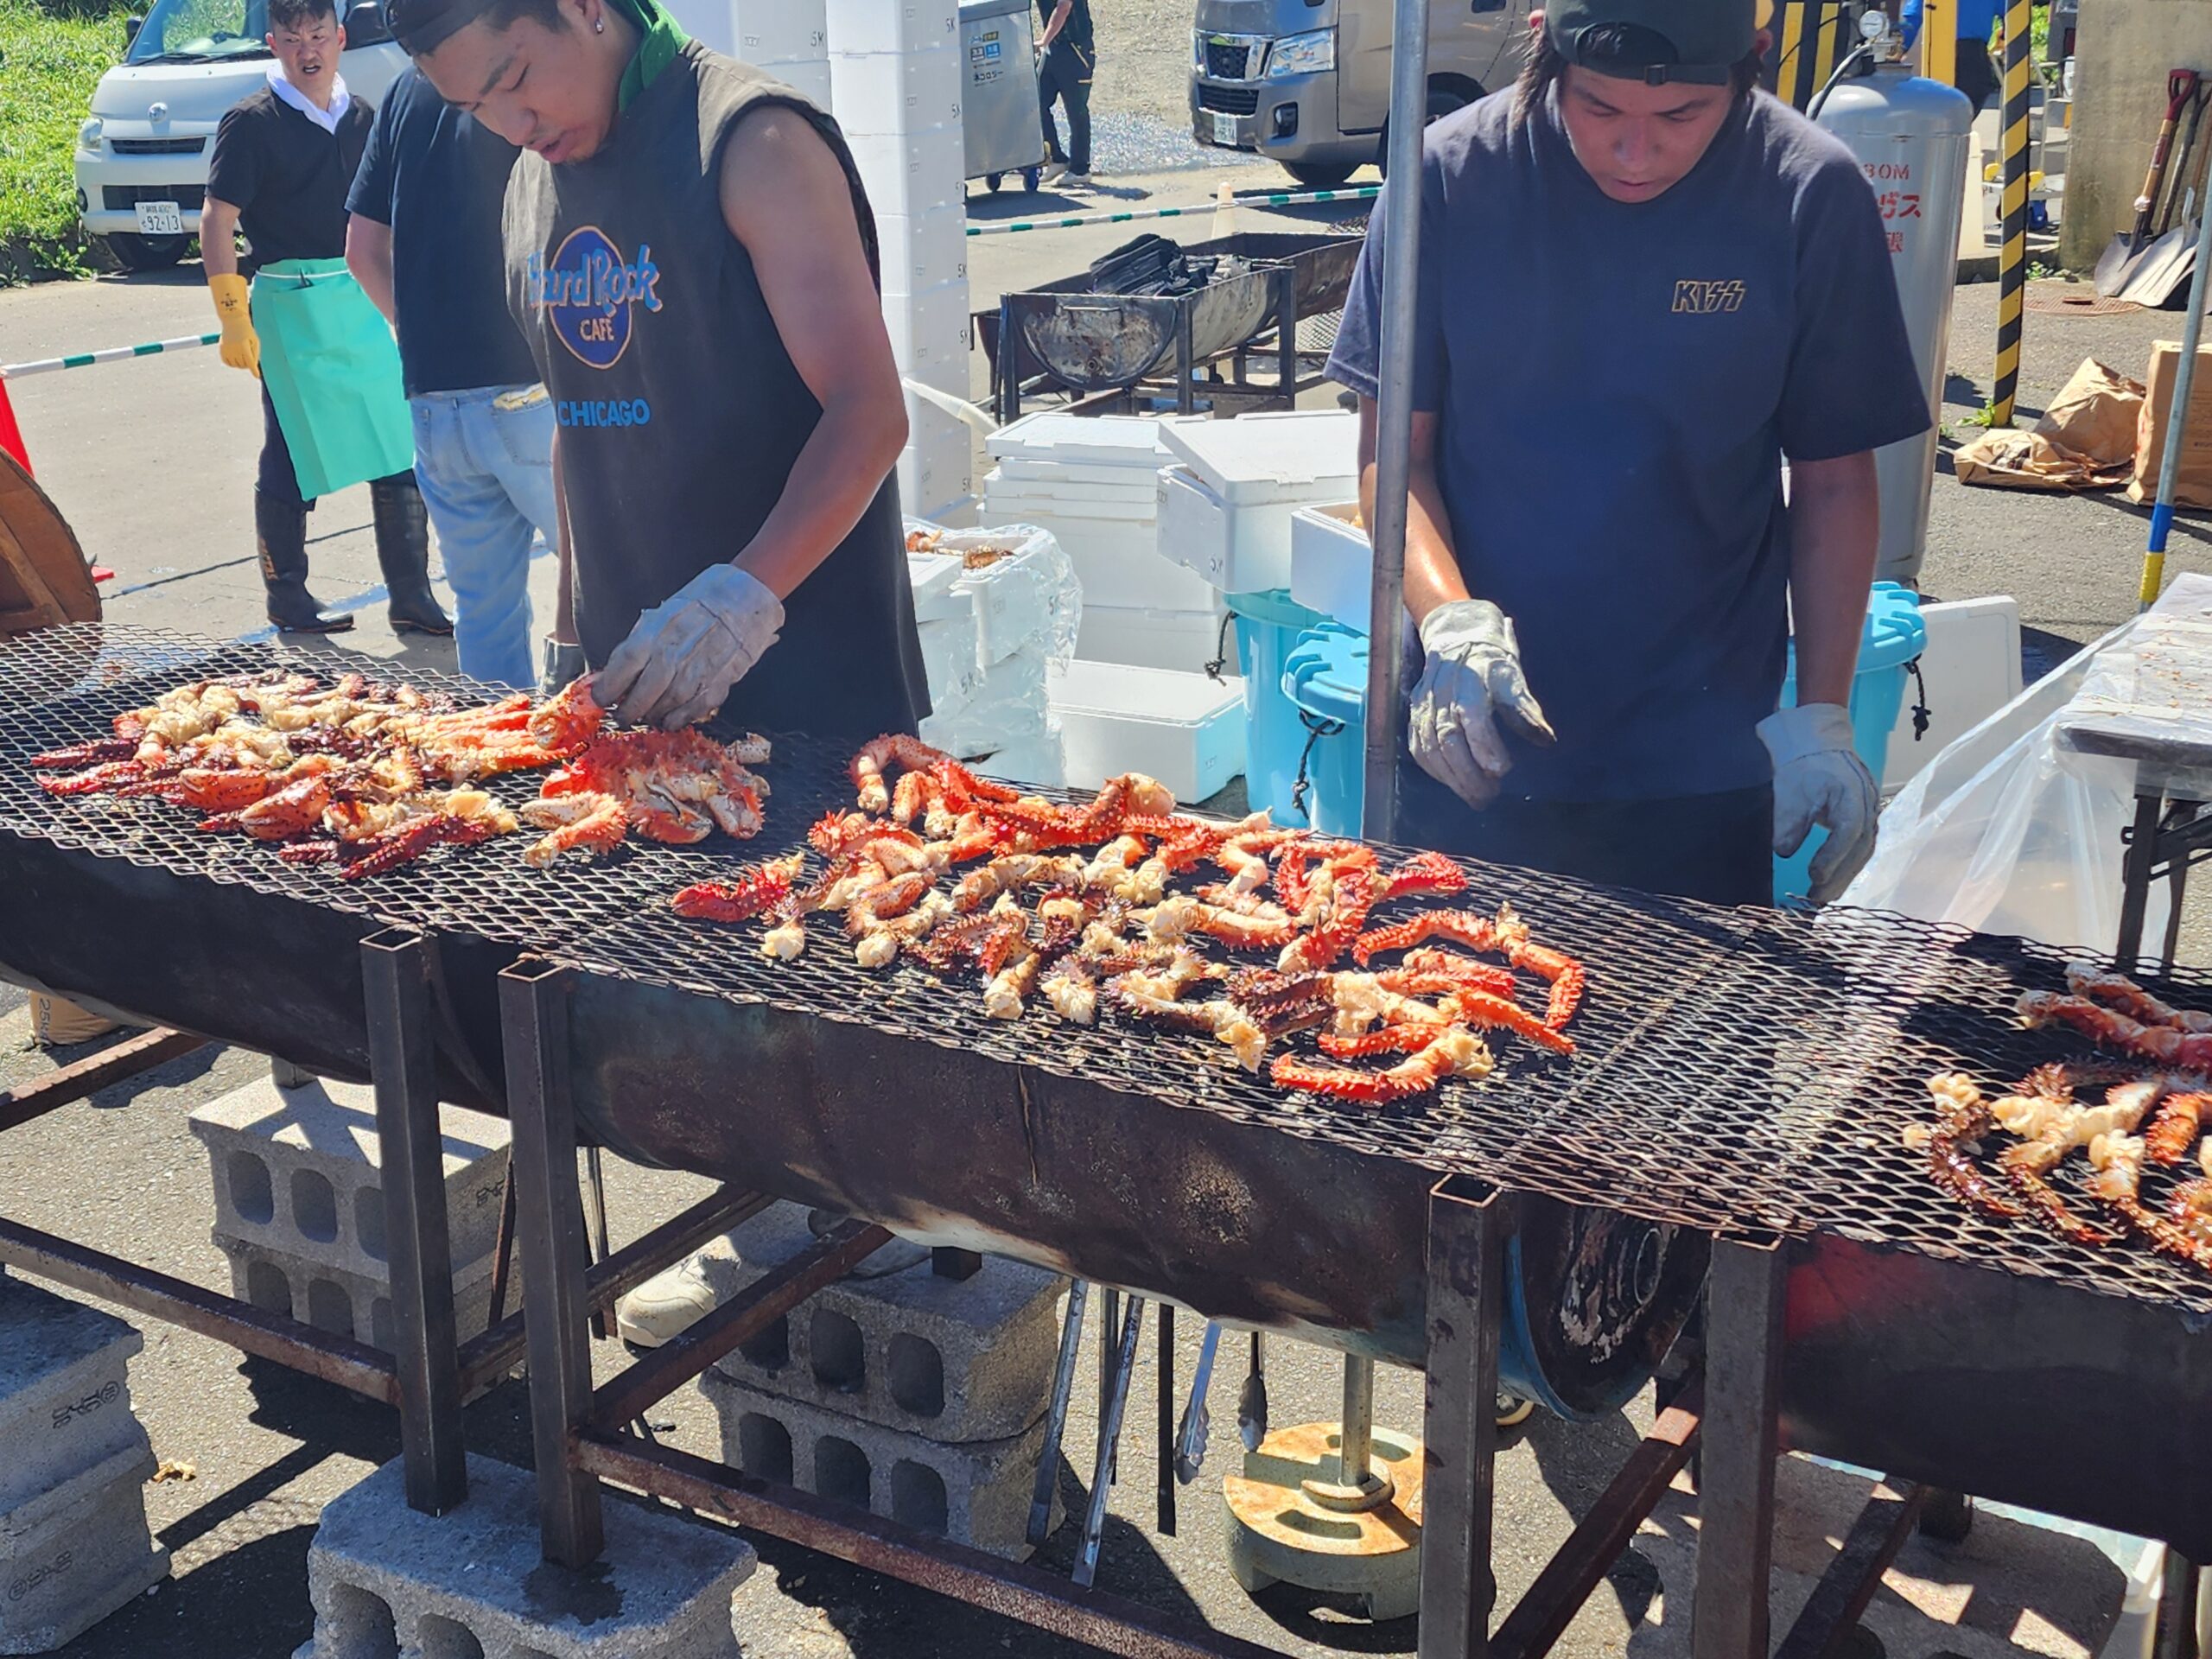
<point x="2085" y="440"/>
<point x="2193" y="487"/>
<point x="57" y="1024"/>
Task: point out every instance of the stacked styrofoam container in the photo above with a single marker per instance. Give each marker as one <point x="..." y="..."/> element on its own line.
<point x="790" y="39"/>
<point x="1225" y="506"/>
<point x="1332" y="563"/>
<point x="990" y="637"/>
<point x="1093" y="481"/>
<point x="896" y="80"/>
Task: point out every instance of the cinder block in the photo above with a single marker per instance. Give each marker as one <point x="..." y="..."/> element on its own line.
<point x="65" y="1393"/>
<point x="956" y="1360"/>
<point x="385" y="1579"/>
<point x="297" y="1170"/>
<point x="977" y="1494"/>
<point x="352" y="1304"/>
<point x="72" y="1555"/>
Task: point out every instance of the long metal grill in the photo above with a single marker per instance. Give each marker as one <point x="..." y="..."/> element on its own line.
<point x="1735" y="1069"/>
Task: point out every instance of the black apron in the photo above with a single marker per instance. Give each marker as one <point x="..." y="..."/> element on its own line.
<point x="681" y="413"/>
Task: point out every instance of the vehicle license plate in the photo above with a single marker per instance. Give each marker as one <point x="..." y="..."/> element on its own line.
<point x="1224" y="134"/>
<point x="160" y="218"/>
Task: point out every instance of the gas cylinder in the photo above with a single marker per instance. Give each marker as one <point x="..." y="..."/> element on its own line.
<point x="1910" y="135"/>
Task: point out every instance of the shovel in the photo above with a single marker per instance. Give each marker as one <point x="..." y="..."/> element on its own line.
<point x="2132" y="251"/>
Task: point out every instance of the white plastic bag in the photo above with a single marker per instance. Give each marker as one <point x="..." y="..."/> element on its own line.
<point x="2010" y="830"/>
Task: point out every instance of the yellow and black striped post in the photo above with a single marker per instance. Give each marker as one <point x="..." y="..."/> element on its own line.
<point x="1812" y="45"/>
<point x="2012" y="256"/>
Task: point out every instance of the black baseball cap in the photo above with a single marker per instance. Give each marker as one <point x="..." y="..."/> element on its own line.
<point x="1708" y="38"/>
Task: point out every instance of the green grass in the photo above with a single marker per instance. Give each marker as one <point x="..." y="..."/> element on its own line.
<point x="54" y="53"/>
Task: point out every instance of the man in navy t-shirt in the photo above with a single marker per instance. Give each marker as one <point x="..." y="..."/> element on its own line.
<point x="1644" y="285"/>
<point x="423" y="239"/>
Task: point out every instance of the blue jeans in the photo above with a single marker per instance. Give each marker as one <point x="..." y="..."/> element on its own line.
<point x="486" y="473"/>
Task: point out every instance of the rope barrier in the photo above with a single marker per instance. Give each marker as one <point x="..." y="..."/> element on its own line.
<point x="113" y="354"/>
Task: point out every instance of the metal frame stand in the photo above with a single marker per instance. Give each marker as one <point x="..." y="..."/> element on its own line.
<point x="433" y="1373"/>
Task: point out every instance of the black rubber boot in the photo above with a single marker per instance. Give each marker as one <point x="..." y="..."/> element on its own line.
<point x="403" y="552"/>
<point x="280" y="530"/>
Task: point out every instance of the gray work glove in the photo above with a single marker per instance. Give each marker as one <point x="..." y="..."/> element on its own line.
<point x="679" y="663"/>
<point x="560" y="667"/>
<point x="1819" y="779"/>
<point x="1472" y="681"/>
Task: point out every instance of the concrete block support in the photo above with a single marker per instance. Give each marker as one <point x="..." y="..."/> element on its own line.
<point x="975" y="1494"/>
<point x="356" y="1305"/>
<point x="296" y="1171"/>
<point x="386" y="1580"/>
<point x="956" y="1360"/>
<point x="72" y="1555"/>
<point x="65" y="1398"/>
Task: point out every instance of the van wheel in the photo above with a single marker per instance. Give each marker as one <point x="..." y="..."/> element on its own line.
<point x="1316" y="175"/>
<point x="136" y="252"/>
<point x="1444" y="96"/>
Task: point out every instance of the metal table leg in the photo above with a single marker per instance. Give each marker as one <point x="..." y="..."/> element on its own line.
<point x="1468" y="1225"/>
<point x="395" y="972"/>
<point x="549" y="1219"/>
<point x="2135" y="877"/>
<point x="1743" y="1392"/>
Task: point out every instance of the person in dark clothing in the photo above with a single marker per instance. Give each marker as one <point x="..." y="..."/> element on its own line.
<point x="692" y="260"/>
<point x="1068" y="57"/>
<point x="284" y="156"/>
<point x="1600" y="649"/>
<point x="1971" y="71"/>
<point x="423" y="240"/>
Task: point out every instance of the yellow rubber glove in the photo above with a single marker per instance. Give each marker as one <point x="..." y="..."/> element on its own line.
<point x="241" y="346"/>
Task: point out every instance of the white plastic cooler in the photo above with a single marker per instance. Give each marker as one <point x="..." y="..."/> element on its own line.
<point x="1225" y="504"/>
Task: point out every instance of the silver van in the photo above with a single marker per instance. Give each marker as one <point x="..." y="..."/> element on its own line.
<point x="1308" y="82"/>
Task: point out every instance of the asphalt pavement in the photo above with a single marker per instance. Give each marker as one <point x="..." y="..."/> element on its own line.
<point x="152" y="461"/>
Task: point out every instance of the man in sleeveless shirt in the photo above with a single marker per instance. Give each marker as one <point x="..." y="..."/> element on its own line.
<point x="692" y="261"/>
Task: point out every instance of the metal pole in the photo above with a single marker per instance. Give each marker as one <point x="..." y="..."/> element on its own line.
<point x="1468" y="1226"/>
<point x="1394" y="435"/>
<point x="1355" y="1438"/>
<point x="426" y="1342"/>
<point x="2162" y="510"/>
<point x="1741" y="1433"/>
<point x="549" y="1219"/>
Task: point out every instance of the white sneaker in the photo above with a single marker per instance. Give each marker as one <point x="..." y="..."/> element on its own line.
<point x="1053" y="173"/>
<point x="1077" y="180"/>
<point x="666" y="1305"/>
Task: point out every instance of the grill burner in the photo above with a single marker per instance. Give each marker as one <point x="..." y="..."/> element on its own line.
<point x="1736" y="1069"/>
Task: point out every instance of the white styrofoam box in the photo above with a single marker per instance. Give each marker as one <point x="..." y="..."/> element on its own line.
<point x="894" y="25"/>
<point x="1183" y="640"/>
<point x="921" y="253"/>
<point x="1132" y="481"/>
<point x="1019" y="600"/>
<point x="931" y="576"/>
<point x="909" y="174"/>
<point x="1122" y="569"/>
<point x="1295" y="456"/>
<point x="931" y="483"/>
<point x="759" y="32"/>
<point x="951" y="657"/>
<point x="1124" y="499"/>
<point x="809" y="76"/>
<point x="1331" y="562"/>
<point x="1971" y="665"/>
<point x="1009" y="707"/>
<point x="1238" y="549"/>
<point x="931" y="426"/>
<point x="895" y="91"/>
<point x="929" y="330"/>
<point x="1088" y="440"/>
<point x="1185" y="729"/>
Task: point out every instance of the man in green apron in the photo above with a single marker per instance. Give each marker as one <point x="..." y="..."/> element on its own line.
<point x="333" y="411"/>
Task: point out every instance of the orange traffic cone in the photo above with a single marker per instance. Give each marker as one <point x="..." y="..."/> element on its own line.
<point x="11" y="435"/>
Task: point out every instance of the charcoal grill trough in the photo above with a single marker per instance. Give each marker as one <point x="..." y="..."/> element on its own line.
<point x="1745" y="1075"/>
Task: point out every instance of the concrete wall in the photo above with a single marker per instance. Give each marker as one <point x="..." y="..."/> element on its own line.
<point x="2123" y="52"/>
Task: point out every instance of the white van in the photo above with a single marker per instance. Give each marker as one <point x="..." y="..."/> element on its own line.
<point x="142" y="157"/>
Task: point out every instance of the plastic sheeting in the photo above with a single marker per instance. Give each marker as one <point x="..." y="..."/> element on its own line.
<point x="2014" y="828"/>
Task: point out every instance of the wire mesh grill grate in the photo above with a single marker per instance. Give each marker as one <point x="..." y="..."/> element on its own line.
<point x="1736" y="1069"/>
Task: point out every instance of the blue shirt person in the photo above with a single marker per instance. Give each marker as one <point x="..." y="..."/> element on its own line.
<point x="423" y="240"/>
<point x="1643" y="287"/>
